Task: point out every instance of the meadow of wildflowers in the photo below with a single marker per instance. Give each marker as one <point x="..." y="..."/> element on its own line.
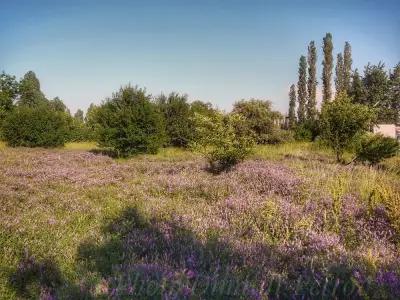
<point x="289" y="223"/>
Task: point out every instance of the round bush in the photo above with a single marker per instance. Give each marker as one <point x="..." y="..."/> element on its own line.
<point x="35" y="127"/>
<point x="374" y="148"/>
<point x="129" y="123"/>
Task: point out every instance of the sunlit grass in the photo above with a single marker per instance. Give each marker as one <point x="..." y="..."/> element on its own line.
<point x="2" y="145"/>
<point x="81" y="146"/>
<point x="170" y="154"/>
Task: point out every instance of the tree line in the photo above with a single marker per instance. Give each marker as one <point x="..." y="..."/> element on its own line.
<point x="347" y="114"/>
<point x="131" y="121"/>
<point x="375" y="88"/>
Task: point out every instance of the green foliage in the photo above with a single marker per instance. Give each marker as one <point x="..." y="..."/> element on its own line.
<point x="292" y="106"/>
<point x="38" y="126"/>
<point x="357" y="91"/>
<point x="258" y="117"/>
<point x="327" y="64"/>
<point x="339" y="79"/>
<point x="394" y="81"/>
<point x="308" y="131"/>
<point x="376" y="84"/>
<point x="79" y="115"/>
<point x="312" y="82"/>
<point x="58" y="105"/>
<point x="176" y="111"/>
<point x="30" y="93"/>
<point x="8" y="93"/>
<point x="347" y="62"/>
<point x="302" y="90"/>
<point x="341" y="121"/>
<point x="203" y="108"/>
<point x="224" y="140"/>
<point x="129" y="123"/>
<point x="374" y="148"/>
<point x="279" y="136"/>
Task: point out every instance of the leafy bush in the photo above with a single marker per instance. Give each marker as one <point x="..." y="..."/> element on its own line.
<point x="129" y="123"/>
<point x="38" y="126"/>
<point x="176" y="111"/>
<point x="259" y="117"/>
<point x="374" y="148"/>
<point x="224" y="140"/>
<point x="308" y="131"/>
<point x="341" y="121"/>
<point x="279" y="136"/>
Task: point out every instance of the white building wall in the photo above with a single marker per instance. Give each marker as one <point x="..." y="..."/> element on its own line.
<point x="388" y="130"/>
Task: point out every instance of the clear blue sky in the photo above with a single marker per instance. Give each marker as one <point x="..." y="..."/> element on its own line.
<point x="217" y="51"/>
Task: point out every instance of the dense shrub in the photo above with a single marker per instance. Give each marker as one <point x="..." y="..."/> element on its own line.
<point x="129" y="123"/>
<point x="202" y="108"/>
<point x="78" y="131"/>
<point x="308" y="131"/>
<point x="259" y="117"/>
<point x="374" y="148"/>
<point x="224" y="140"/>
<point x="341" y="121"/>
<point x="176" y="112"/>
<point x="38" y="126"/>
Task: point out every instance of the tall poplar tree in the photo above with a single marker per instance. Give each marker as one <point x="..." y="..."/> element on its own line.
<point x="339" y="80"/>
<point x="302" y="90"/>
<point x="292" y="106"/>
<point x="347" y="62"/>
<point x="327" y="64"/>
<point x="312" y="82"/>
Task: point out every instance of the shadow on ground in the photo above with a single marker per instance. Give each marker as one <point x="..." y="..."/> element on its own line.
<point x="149" y="258"/>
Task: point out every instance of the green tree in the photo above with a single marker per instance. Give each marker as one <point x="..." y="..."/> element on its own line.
<point x="327" y="64"/>
<point x="223" y="139"/>
<point x="395" y="92"/>
<point x="79" y="115"/>
<point x="341" y="121"/>
<point x="347" y="62"/>
<point x="129" y="123"/>
<point x="339" y="80"/>
<point x="176" y="112"/>
<point x="377" y="88"/>
<point x="30" y="93"/>
<point x="8" y="94"/>
<point x="302" y="90"/>
<point x="258" y="117"/>
<point x="58" y="105"/>
<point x="292" y="106"/>
<point x="312" y="82"/>
<point x="37" y="126"/>
<point x="203" y="108"/>
<point x="357" y="88"/>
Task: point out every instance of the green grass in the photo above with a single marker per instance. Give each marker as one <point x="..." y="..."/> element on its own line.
<point x="82" y="226"/>
<point x="81" y="146"/>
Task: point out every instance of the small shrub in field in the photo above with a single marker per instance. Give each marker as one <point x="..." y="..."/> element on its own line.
<point x="374" y="148"/>
<point x="38" y="126"/>
<point x="308" y="131"/>
<point x="224" y="140"/>
<point x="260" y="119"/>
<point x="341" y="121"/>
<point x="129" y="123"/>
<point x="302" y="133"/>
